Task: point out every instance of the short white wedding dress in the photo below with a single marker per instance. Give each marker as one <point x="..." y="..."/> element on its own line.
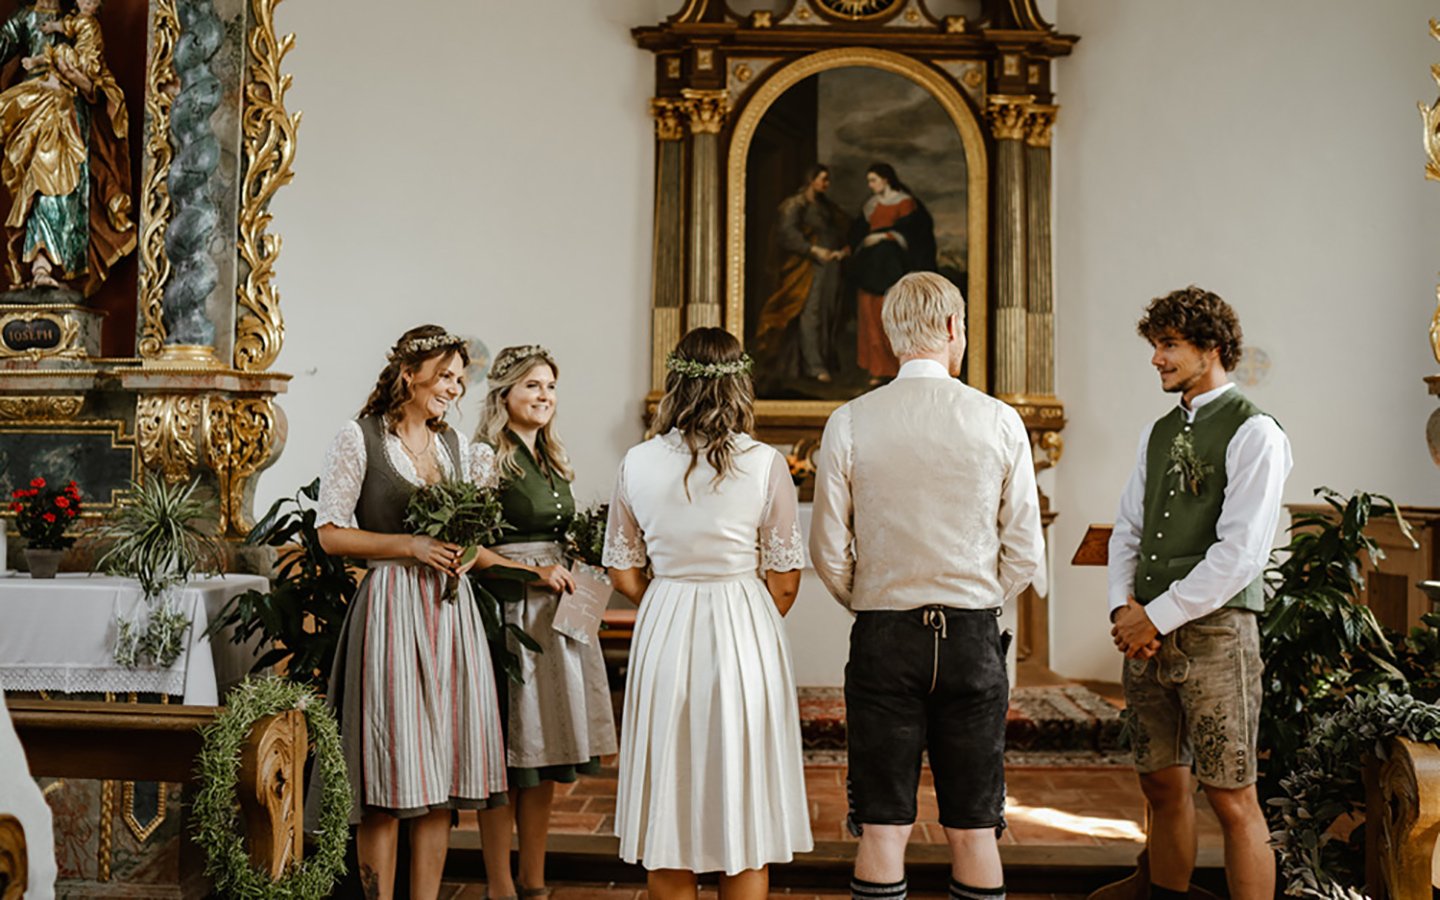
<point x="710" y="774"/>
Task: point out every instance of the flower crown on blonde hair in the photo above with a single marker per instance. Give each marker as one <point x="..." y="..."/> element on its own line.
<point x="425" y="345"/>
<point x="510" y="357"/>
<point x="691" y="368"/>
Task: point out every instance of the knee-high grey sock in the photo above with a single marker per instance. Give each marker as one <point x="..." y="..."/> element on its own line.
<point x="874" y="890"/>
<point x="959" y="891"/>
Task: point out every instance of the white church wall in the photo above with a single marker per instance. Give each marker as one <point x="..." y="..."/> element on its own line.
<point x="1269" y="152"/>
<point x="493" y="173"/>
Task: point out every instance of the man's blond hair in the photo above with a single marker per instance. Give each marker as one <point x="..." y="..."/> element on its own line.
<point x="916" y="310"/>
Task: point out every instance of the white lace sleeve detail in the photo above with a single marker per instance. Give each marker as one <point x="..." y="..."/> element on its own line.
<point x="482" y="467"/>
<point x="624" y="541"/>
<point x="341" y="476"/>
<point x="782" y="546"/>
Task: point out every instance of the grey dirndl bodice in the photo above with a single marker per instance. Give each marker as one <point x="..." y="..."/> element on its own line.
<point x="385" y="494"/>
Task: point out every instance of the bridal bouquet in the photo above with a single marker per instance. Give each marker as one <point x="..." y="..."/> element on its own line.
<point x="458" y="512"/>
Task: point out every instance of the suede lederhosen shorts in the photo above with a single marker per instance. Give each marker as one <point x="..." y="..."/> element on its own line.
<point x="930" y="679"/>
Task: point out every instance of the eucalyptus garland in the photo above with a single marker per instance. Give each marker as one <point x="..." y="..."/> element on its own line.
<point x="218" y="829"/>
<point x="1326" y="783"/>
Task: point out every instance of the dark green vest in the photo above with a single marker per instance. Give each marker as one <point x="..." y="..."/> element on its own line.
<point x="538" y="504"/>
<point x="1179" y="523"/>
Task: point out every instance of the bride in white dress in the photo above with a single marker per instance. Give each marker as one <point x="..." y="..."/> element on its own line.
<point x="710" y="772"/>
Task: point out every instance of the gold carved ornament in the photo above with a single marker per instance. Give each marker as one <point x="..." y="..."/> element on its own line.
<point x="1007" y="116"/>
<point x="167" y="429"/>
<point x="669" y="119"/>
<point x="1430" y="117"/>
<point x="1039" y="122"/>
<point x="706" y="109"/>
<point x="155" y="193"/>
<point x="239" y="438"/>
<point x="269" y="152"/>
<point x="40" y="407"/>
<point x="14" y="859"/>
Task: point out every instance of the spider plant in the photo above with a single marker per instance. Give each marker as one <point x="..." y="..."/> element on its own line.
<point x="159" y="536"/>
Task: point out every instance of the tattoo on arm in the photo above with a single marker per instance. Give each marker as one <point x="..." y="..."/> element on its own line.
<point x="369" y="882"/>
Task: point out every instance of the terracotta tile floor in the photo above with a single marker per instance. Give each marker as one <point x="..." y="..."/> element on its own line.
<point x="611" y="891"/>
<point x="1088" y="815"/>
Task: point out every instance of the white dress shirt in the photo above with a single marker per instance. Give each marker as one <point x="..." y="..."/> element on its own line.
<point x="1013" y="528"/>
<point x="1257" y="461"/>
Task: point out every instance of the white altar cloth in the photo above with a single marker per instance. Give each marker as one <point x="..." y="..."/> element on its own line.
<point x="60" y="636"/>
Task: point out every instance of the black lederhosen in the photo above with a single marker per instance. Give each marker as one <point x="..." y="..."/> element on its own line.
<point x="927" y="679"/>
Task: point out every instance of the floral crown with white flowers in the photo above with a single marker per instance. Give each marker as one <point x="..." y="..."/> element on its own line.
<point x="510" y="357"/>
<point x="691" y="368"/>
<point x="426" y="344"/>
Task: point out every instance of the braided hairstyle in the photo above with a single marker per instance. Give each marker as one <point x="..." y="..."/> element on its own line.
<point x="708" y="410"/>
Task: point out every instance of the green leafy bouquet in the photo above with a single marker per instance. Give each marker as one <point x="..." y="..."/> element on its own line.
<point x="585" y="538"/>
<point x="456" y="511"/>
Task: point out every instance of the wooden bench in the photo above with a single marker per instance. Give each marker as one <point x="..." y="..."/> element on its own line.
<point x="145" y="742"/>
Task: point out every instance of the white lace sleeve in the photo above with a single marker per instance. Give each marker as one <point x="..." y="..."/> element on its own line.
<point x="782" y="547"/>
<point x="480" y="465"/>
<point x="624" y="542"/>
<point x="341" y="477"/>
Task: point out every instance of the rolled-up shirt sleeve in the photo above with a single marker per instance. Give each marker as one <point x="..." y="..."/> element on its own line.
<point x="1257" y="462"/>
<point x="832" y="527"/>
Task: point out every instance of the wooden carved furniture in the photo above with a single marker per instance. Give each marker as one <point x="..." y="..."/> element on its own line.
<point x="14" y="866"/>
<point x="73" y="739"/>
<point x="1402" y="821"/>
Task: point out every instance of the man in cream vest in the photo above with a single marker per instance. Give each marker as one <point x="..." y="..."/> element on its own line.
<point x="926" y="523"/>
<point x="1192" y="539"/>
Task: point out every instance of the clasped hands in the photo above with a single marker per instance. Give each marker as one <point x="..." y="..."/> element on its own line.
<point x="1133" y="632"/>
<point x="441" y="555"/>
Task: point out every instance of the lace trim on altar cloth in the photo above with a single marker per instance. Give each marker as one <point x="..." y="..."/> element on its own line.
<point x="782" y="553"/>
<point x="73" y="680"/>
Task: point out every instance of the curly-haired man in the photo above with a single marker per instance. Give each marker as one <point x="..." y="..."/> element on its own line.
<point x="1191" y="541"/>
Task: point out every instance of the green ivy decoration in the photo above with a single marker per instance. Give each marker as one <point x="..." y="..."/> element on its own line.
<point x="1326" y="783"/>
<point x="218" y="829"/>
<point x="1187" y="464"/>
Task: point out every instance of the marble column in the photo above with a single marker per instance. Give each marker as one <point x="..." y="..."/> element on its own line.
<point x="1006" y="115"/>
<point x="1039" y="281"/>
<point x="706" y="111"/>
<point x="668" y="275"/>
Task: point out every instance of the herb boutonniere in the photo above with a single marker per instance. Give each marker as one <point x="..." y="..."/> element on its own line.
<point x="1187" y="464"/>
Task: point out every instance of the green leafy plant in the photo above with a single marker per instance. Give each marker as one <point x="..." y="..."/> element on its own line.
<point x="585" y="538"/>
<point x="491" y="588"/>
<point x="157" y="536"/>
<point x="300" y="616"/>
<point x="42" y="513"/>
<point x="456" y="511"/>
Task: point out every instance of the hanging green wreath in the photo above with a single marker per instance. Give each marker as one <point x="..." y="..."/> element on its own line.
<point x="1326" y="783"/>
<point x="218" y="829"/>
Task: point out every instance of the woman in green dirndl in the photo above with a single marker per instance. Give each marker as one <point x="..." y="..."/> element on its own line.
<point x="558" y="722"/>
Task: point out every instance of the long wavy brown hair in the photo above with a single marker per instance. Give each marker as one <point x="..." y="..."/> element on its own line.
<point x="391" y="392"/>
<point x="708" y="411"/>
<point x="509" y="369"/>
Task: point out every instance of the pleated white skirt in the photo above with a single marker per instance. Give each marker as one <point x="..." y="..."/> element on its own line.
<point x="710" y="776"/>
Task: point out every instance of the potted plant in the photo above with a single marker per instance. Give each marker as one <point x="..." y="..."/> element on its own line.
<point x="158" y="539"/>
<point x="42" y="513"/>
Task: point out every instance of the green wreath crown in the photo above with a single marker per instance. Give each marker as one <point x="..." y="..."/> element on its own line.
<point x="692" y="368"/>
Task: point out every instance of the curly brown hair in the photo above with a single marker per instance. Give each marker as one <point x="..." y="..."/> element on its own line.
<point x="708" y="411"/>
<point x="391" y="392"/>
<point x="1198" y="316"/>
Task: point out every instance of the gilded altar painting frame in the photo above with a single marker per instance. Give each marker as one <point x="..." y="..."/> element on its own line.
<point x="781" y="418"/>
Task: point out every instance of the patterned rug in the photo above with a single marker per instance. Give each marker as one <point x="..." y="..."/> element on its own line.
<point x="1052" y="719"/>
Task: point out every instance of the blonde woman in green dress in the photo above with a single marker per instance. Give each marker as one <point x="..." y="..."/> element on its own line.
<point x="558" y="722"/>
